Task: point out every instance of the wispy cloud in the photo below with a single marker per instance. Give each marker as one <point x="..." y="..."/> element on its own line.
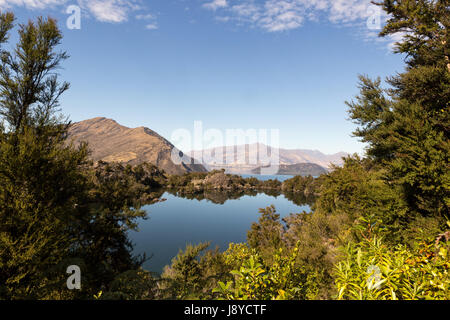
<point x="215" y="4"/>
<point x="152" y="26"/>
<point x="148" y="16"/>
<point x="31" y="4"/>
<point x="281" y="15"/>
<point x="112" y="11"/>
<point x="151" y="20"/>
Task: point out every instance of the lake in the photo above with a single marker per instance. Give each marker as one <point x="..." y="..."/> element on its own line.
<point x="216" y="218"/>
<point x="261" y="177"/>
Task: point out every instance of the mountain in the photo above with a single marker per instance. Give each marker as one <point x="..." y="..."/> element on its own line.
<point x="287" y="157"/>
<point x="299" y="169"/>
<point x="112" y="142"/>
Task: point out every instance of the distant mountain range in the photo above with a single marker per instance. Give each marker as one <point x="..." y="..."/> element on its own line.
<point x="298" y="157"/>
<point x="112" y="142"/>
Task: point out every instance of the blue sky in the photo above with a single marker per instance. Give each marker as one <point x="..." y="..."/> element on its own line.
<point x="232" y="64"/>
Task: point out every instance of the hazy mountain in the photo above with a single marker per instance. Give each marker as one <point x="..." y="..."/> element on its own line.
<point x="112" y="142"/>
<point x="299" y="169"/>
<point x="247" y="163"/>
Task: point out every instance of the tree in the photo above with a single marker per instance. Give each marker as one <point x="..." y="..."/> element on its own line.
<point x="185" y="277"/>
<point x="266" y="235"/>
<point x="406" y="125"/>
<point x="56" y="209"/>
<point x="29" y="84"/>
<point x="41" y="181"/>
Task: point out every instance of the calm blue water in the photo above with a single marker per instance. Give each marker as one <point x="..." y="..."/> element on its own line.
<point x="176" y="222"/>
<point x="280" y="178"/>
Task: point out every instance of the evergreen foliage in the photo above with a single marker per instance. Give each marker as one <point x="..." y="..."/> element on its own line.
<point x="56" y="210"/>
<point x="379" y="227"/>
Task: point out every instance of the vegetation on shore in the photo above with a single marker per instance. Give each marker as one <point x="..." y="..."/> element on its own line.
<point x="379" y="227"/>
<point x="148" y="182"/>
<point x="218" y="180"/>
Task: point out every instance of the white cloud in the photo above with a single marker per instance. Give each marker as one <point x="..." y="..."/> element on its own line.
<point x="148" y="16"/>
<point x="112" y="11"/>
<point x="246" y="10"/>
<point x="216" y="4"/>
<point x="31" y="4"/>
<point x="151" y="19"/>
<point x="349" y="10"/>
<point x="280" y="15"/>
<point x="152" y="26"/>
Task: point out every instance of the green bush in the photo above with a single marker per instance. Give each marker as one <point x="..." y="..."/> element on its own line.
<point x="254" y="279"/>
<point x="371" y="270"/>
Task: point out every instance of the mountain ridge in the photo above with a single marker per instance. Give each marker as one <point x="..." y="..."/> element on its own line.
<point x="287" y="157"/>
<point x="110" y="141"/>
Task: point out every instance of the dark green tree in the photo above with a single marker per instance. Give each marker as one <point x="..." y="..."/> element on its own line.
<point x="184" y="278"/>
<point x="406" y="125"/>
<point x="56" y="209"/>
<point x="40" y="178"/>
<point x="266" y="235"/>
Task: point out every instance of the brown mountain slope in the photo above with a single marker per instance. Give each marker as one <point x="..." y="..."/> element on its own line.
<point x="112" y="142"/>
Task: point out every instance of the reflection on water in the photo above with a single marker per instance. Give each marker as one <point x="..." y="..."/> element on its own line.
<point x="217" y="217"/>
<point x="221" y="197"/>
